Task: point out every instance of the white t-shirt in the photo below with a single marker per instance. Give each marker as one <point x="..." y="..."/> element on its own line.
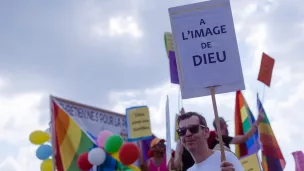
<point x="213" y="163"/>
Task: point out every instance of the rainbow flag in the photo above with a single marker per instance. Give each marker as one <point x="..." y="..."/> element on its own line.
<point x="71" y="141"/>
<point x="243" y="121"/>
<point x="272" y="158"/>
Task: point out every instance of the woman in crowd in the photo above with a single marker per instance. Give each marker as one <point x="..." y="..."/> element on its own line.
<point x="157" y="160"/>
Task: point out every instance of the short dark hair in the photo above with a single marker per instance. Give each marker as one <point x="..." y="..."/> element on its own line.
<point x="187" y="115"/>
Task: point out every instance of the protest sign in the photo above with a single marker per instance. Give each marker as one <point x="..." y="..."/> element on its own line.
<point x="251" y="163"/>
<point x="206" y="48"/>
<point x="266" y="69"/>
<point x="138" y="123"/>
<point x="75" y="128"/>
<point x="206" y="51"/>
<point x="173" y="68"/>
<point x="92" y="120"/>
<point x="169" y="42"/>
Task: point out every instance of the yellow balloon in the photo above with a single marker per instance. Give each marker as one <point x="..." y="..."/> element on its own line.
<point x="46" y="165"/>
<point x="39" y="137"/>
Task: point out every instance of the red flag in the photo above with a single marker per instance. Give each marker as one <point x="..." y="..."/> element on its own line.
<point x="299" y="160"/>
<point x="266" y="68"/>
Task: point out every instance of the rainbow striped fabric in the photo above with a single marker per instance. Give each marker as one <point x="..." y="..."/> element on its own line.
<point x="272" y="158"/>
<point x="71" y="141"/>
<point x="243" y="121"/>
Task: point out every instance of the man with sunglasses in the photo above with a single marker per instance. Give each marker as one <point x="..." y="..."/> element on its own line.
<point x="193" y="133"/>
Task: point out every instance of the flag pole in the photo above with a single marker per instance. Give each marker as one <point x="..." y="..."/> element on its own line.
<point x="53" y="134"/>
<point x="259" y="158"/>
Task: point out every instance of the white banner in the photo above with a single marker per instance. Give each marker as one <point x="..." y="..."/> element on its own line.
<point x="92" y="120"/>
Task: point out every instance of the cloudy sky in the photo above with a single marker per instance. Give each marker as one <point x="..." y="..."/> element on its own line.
<point x="111" y="54"/>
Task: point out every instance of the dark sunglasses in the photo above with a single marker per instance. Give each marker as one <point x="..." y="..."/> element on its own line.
<point x="193" y="129"/>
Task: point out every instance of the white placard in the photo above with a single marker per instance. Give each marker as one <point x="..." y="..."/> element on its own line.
<point x="206" y="48"/>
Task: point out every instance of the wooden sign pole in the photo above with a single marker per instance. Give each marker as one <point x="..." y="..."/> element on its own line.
<point x="217" y="122"/>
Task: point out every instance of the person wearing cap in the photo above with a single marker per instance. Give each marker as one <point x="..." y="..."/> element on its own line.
<point x="158" y="160"/>
<point x="239" y="139"/>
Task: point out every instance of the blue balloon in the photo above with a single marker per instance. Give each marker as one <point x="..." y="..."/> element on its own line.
<point x="108" y="165"/>
<point x="44" y="152"/>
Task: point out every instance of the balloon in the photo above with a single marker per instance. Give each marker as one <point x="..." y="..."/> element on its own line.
<point x="46" y="165"/>
<point x="113" y="144"/>
<point x="128" y="153"/>
<point x="110" y="161"/>
<point x="39" y="137"/>
<point x="44" y="152"/>
<point x="83" y="162"/>
<point x="120" y="166"/>
<point x="102" y="137"/>
<point x="97" y="156"/>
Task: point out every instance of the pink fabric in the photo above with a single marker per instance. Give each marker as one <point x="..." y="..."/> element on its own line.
<point x="299" y="160"/>
<point x="161" y="167"/>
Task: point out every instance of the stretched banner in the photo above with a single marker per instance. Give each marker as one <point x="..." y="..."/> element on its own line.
<point x="76" y="129"/>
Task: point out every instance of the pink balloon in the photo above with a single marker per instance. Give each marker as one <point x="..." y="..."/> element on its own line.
<point x="102" y="137"/>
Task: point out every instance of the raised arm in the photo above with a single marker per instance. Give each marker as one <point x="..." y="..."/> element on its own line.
<point x="243" y="138"/>
<point x="177" y="161"/>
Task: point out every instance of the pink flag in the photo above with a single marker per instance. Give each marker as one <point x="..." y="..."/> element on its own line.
<point x="299" y="160"/>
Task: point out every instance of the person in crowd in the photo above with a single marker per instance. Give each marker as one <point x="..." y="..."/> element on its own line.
<point x="157" y="160"/>
<point x="183" y="159"/>
<point x="239" y="139"/>
<point x="194" y="132"/>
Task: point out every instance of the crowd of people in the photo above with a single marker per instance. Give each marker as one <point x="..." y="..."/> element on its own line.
<point x="198" y="148"/>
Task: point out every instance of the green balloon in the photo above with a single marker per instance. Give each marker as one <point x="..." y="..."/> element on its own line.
<point x="113" y="144"/>
<point x="119" y="165"/>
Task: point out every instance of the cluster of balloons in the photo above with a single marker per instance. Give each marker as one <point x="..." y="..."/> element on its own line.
<point x="126" y="153"/>
<point x="44" y="151"/>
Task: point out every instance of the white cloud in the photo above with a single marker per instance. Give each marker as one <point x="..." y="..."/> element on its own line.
<point x="274" y="27"/>
<point x="25" y="160"/>
<point x="118" y="26"/>
<point x="20" y="115"/>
